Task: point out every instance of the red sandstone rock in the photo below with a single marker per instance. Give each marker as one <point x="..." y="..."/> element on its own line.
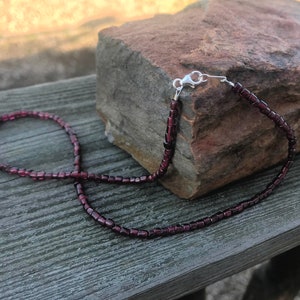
<point x="221" y="139"/>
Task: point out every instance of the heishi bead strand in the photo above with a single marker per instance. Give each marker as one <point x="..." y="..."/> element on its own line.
<point x="169" y="148"/>
<point x="169" y="144"/>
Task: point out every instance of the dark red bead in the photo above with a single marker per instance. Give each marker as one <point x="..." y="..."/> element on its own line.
<point x="79" y="189"/>
<point x="67" y="174"/>
<point x="95" y="215"/>
<point x="192" y="226"/>
<point x="86" y="206"/>
<point x="75" y="174"/>
<point x="227" y="213"/>
<point x="83" y="175"/>
<point x="200" y="224"/>
<point x="77" y="160"/>
<point x="132" y="179"/>
<point x="91" y="176"/>
<point x="150" y="178"/>
<point x="171" y="229"/>
<point x="220" y="215"/>
<point x="111" y="179"/>
<point x="143" y="178"/>
<point x="109" y="223"/>
<point x="90" y="211"/>
<point x="214" y="218"/>
<point x="33" y="175"/>
<point x="41" y="175"/>
<point x="118" y="179"/>
<point x="117" y="228"/>
<point x="133" y="232"/>
<point x="104" y="178"/>
<point x="13" y="170"/>
<point x="207" y="221"/>
<point x="48" y="175"/>
<point x="143" y="233"/>
<point x="61" y="175"/>
<point x="124" y="231"/>
<point x="155" y="232"/>
<point x="164" y="231"/>
<point x="126" y="180"/>
<point x="101" y="220"/>
<point x="83" y="199"/>
<point x="21" y="172"/>
<point x="239" y="208"/>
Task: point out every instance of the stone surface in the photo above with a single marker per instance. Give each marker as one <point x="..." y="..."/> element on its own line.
<point x="221" y="139"/>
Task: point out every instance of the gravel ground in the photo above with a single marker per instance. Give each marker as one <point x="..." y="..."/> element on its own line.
<point x="50" y="40"/>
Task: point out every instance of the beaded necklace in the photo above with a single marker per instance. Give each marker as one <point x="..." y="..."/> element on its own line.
<point x="192" y="79"/>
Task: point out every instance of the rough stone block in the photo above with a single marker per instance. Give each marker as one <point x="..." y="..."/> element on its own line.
<point x="221" y="139"/>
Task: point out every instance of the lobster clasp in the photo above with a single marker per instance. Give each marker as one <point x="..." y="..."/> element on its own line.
<point x="195" y="78"/>
<point x="192" y="80"/>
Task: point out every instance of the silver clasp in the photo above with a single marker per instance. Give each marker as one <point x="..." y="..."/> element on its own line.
<point x="193" y="79"/>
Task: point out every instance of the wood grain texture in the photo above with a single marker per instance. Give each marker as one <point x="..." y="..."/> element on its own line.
<point x="50" y="249"/>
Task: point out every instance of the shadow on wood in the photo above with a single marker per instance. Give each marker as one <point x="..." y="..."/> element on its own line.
<point x="279" y="279"/>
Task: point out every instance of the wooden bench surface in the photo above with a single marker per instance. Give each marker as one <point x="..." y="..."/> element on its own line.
<point x="50" y="248"/>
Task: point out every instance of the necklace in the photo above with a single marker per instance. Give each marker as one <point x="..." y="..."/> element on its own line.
<point x="192" y="80"/>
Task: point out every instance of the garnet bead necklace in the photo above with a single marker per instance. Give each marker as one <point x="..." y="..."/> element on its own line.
<point x="191" y="80"/>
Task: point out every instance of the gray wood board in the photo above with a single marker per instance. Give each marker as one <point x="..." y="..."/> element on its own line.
<point x="50" y="249"/>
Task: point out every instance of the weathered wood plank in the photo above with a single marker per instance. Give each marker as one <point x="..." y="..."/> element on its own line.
<point x="50" y="249"/>
<point x="279" y="279"/>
